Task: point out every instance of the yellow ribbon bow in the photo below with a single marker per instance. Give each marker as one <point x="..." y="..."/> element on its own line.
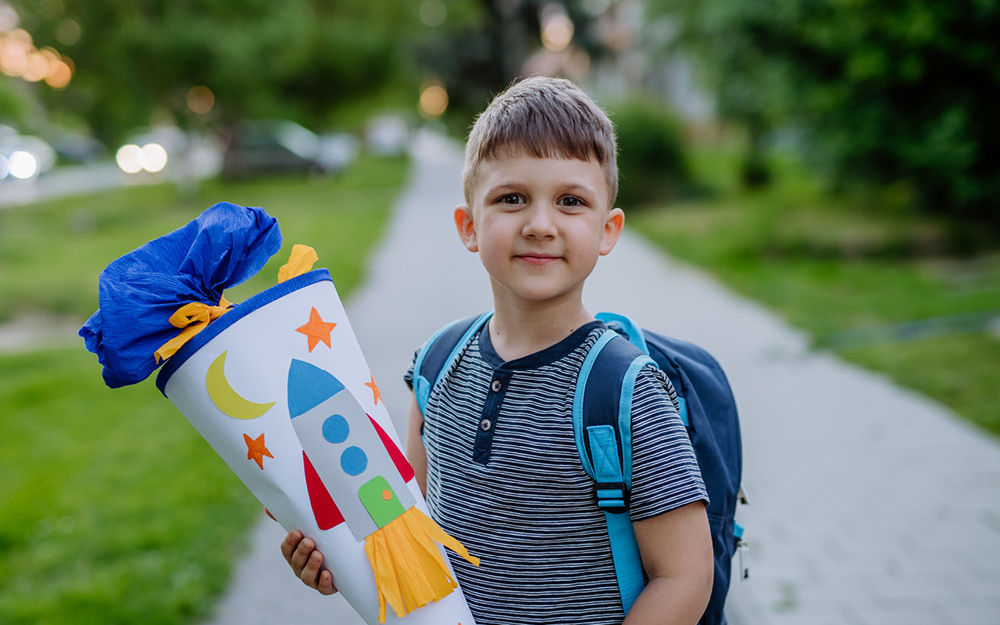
<point x="192" y="318"/>
<point x="195" y="317"/>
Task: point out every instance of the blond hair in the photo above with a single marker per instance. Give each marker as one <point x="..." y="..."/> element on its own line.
<point x="544" y="118"/>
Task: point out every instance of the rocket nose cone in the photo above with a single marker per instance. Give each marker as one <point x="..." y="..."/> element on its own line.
<point x="309" y="386"/>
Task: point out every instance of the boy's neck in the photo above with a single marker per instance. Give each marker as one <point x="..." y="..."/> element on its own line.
<point x="517" y="331"/>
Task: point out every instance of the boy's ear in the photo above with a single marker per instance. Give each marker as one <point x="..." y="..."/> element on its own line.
<point x="466" y="227"/>
<point x="612" y="230"/>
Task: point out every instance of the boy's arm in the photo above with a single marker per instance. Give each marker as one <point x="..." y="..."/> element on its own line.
<point x="415" y="451"/>
<point x="676" y="551"/>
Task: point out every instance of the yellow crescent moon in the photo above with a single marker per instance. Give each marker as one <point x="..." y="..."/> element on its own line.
<point x="225" y="398"/>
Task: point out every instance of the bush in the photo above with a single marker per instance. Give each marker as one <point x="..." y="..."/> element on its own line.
<point x="651" y="158"/>
<point x="888" y="94"/>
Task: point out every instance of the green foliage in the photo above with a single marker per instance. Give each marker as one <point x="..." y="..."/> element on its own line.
<point x="899" y="93"/>
<point x="841" y="271"/>
<point x="115" y="510"/>
<point x="13" y="101"/>
<point x="651" y="160"/>
<point x="296" y="59"/>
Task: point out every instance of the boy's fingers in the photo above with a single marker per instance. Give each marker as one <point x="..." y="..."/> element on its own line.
<point x="301" y="556"/>
<point x="311" y="571"/>
<point x="307" y="562"/>
<point x="290" y="543"/>
<point x="326" y="586"/>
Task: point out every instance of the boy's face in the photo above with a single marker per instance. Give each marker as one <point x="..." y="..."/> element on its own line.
<point x="539" y="226"/>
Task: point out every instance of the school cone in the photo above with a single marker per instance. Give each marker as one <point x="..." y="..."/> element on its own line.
<point x="279" y="387"/>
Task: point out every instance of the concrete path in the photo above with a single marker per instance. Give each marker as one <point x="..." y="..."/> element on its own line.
<point x="870" y="504"/>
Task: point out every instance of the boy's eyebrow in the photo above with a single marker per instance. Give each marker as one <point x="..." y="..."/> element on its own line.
<point x="569" y="186"/>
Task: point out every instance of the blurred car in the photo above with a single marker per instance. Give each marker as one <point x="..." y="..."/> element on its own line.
<point x="387" y="135"/>
<point x="282" y="146"/>
<point x="24" y="157"/>
<point x="173" y="139"/>
<point x="77" y="147"/>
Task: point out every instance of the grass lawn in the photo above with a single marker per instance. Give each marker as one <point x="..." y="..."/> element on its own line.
<point x="114" y="508"/>
<point x="875" y="287"/>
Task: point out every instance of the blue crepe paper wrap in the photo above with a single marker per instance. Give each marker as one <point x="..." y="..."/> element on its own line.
<point x="223" y="247"/>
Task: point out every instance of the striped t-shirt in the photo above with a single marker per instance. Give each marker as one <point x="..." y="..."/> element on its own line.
<point x="505" y="479"/>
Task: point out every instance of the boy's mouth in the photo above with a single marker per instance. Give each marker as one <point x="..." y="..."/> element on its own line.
<point x="536" y="259"/>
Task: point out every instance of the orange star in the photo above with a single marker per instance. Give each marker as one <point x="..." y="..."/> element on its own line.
<point x="256" y="450"/>
<point x="317" y="330"/>
<point x="376" y="395"/>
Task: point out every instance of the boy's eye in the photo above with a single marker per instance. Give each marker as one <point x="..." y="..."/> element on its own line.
<point x="571" y="202"/>
<point x="511" y="198"/>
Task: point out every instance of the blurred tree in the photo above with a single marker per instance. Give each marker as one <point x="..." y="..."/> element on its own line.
<point x="137" y="60"/>
<point x="13" y="101"/>
<point x="897" y="93"/>
<point x="651" y="157"/>
<point x="485" y="45"/>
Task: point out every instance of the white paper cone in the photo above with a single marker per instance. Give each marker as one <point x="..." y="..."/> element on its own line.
<point x="232" y="381"/>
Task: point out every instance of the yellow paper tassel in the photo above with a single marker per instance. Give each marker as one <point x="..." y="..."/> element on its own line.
<point x="409" y="569"/>
<point x="300" y="261"/>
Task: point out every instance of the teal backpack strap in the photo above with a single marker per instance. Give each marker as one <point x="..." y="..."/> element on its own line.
<point x="440" y="352"/>
<point x="626" y="327"/>
<point x="602" y="426"/>
<point x="630" y="330"/>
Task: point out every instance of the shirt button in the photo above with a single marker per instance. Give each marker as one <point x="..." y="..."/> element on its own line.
<point x="496" y="386"/>
<point x="485" y="425"/>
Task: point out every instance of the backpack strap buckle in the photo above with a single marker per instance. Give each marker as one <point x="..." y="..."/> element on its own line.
<point x="612" y="497"/>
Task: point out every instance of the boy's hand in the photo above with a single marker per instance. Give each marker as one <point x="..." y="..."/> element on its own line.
<point x="305" y="560"/>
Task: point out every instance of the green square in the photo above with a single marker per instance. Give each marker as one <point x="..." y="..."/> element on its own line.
<point x="380" y="501"/>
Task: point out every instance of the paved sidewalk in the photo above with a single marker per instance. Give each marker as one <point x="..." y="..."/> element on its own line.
<point x="870" y="504"/>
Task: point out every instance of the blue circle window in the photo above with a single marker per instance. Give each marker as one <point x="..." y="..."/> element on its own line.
<point x="336" y="429"/>
<point x="353" y="461"/>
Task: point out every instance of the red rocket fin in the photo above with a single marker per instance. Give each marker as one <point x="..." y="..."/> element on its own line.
<point x="326" y="512"/>
<point x="402" y="464"/>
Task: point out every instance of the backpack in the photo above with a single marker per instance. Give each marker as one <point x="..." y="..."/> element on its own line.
<point x="602" y="427"/>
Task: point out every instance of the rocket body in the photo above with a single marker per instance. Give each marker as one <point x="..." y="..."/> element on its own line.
<point x="345" y="450"/>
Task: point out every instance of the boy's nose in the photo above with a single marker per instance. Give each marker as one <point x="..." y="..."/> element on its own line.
<point x="540" y="223"/>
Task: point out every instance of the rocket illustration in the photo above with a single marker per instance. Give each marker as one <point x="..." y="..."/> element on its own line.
<point x="356" y="474"/>
<point x="348" y="452"/>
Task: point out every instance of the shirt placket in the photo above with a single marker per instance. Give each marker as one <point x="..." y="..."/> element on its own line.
<point x="491" y="412"/>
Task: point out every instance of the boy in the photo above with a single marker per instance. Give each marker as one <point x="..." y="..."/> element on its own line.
<point x="497" y="459"/>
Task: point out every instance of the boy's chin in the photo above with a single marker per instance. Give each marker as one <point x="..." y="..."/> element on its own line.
<point x="539" y="296"/>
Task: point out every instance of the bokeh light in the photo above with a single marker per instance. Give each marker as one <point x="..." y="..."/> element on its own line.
<point x="557" y="28"/>
<point x="433" y="13"/>
<point x="4" y="168"/>
<point x="132" y="159"/>
<point x="59" y="75"/>
<point x="20" y="58"/>
<point x="68" y="32"/>
<point x="129" y="158"/>
<point x="36" y="68"/>
<point x="22" y="165"/>
<point x="8" y="18"/>
<point x="154" y="157"/>
<point x="200" y="99"/>
<point x="433" y="99"/>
